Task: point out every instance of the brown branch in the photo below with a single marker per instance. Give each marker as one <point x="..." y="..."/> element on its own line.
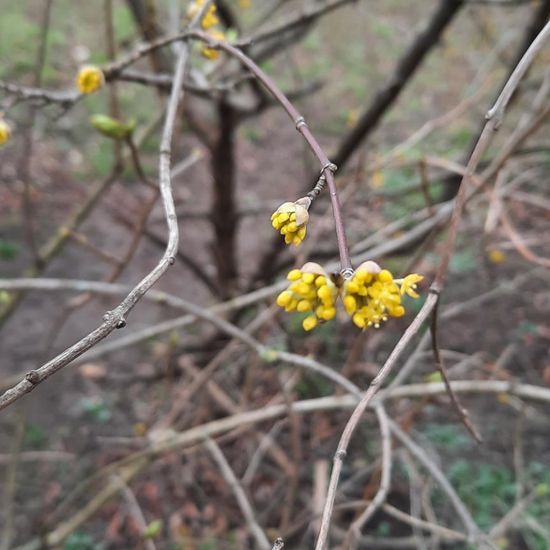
<point x="223" y="211"/>
<point x="519" y="243"/>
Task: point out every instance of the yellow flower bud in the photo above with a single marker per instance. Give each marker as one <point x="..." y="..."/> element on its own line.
<point x="290" y="220"/>
<point x="209" y="20"/>
<point x="350" y="304"/>
<point x="89" y="79"/>
<point x="5" y="131"/>
<point x="496" y="256"/>
<point x="310" y="322"/>
<point x="294" y="275"/>
<point x="284" y="298"/>
<point x="212" y="53"/>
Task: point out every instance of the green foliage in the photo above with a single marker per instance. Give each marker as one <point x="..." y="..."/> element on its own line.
<point x="383" y="529"/>
<point x="269" y="355"/>
<point x="102" y="159"/>
<point x="19" y="36"/>
<point x="311" y="386"/>
<point x="8" y="250"/>
<point x="123" y="23"/>
<point x="463" y="261"/>
<point x="449" y="436"/>
<point x="253" y="134"/>
<point x="153" y="529"/>
<point x="525" y="328"/>
<point x="96" y="408"/>
<point x="460" y="139"/>
<point x="487" y="490"/>
<point x="383" y="29"/>
<point x="35" y="436"/>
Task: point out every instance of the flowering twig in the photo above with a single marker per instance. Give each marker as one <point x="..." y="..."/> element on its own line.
<point x="327" y="167"/>
<point x="382" y="102"/>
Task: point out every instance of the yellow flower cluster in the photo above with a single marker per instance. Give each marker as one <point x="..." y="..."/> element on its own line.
<point x="370" y="296"/>
<point x="89" y="79"/>
<point x="310" y="290"/>
<point x="290" y="220"/>
<point x="5" y="131"/>
<point x="209" y="19"/>
<point x="212" y="53"/>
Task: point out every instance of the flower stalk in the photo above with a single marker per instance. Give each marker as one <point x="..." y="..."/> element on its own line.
<point x="327" y="167"/>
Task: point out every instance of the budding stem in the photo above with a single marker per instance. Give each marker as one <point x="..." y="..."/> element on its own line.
<point x="326" y="166"/>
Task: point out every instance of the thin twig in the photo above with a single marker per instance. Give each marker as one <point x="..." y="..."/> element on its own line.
<point x="440" y="365"/>
<point x="354" y="419"/>
<point x="355" y="528"/>
<point x="240" y="495"/>
<point x="423" y="458"/>
<point x="135" y="510"/>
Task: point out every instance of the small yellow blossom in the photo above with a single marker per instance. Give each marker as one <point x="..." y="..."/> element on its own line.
<point x="312" y="291"/>
<point x="209" y="20"/>
<point x="496" y="256"/>
<point x="290" y="220"/>
<point x="372" y="295"/>
<point x="212" y="53"/>
<point x="377" y="180"/>
<point x="5" y="131"/>
<point x="408" y="285"/>
<point x="245" y="3"/>
<point x="352" y="118"/>
<point x="89" y="79"/>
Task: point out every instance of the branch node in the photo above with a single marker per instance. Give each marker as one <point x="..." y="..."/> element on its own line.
<point x="435" y="289"/>
<point x="33" y="377"/>
<point x="329" y="166"/>
<point x="121" y="323"/>
<point x="299" y="122"/>
<point x="340" y="454"/>
<point x="171" y="260"/>
<point x="346" y="273"/>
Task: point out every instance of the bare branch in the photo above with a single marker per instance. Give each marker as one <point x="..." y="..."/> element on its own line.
<point x="240" y="495"/>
